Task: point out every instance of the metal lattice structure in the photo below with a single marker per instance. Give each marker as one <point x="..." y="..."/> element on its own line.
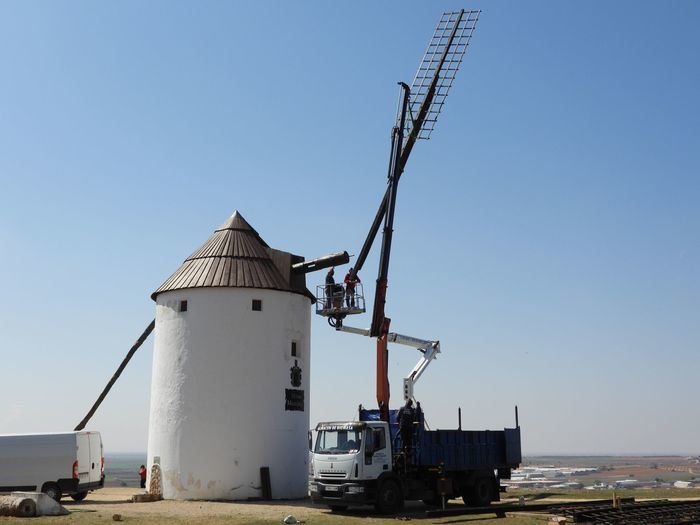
<point x="439" y="67"/>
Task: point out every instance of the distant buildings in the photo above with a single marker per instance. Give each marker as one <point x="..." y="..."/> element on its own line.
<point x="546" y="477"/>
<point x="568" y="485"/>
<point x="692" y="484"/>
<point x="553" y="477"/>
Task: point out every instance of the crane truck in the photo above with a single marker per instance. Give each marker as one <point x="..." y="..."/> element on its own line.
<point x="364" y="462"/>
<point x="370" y="460"/>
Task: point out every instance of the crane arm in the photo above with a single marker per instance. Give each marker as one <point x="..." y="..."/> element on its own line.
<point x="427" y="95"/>
<point x="429" y="352"/>
<point x="428" y="349"/>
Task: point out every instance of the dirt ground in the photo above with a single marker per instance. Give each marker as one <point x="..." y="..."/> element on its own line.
<point x="116" y="500"/>
<point x="102" y="505"/>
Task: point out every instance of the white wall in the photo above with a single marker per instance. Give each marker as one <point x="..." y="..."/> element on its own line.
<point x="218" y="393"/>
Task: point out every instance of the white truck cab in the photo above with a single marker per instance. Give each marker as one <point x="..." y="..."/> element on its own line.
<point x="348" y="460"/>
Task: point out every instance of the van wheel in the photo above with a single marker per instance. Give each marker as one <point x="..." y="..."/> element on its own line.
<point x="52" y="490"/>
<point x="389" y="497"/>
<point x="338" y="508"/>
<point x="479" y="494"/>
<point x="79" y="496"/>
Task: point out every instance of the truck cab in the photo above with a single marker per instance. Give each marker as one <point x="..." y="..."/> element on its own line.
<point x="348" y="460"/>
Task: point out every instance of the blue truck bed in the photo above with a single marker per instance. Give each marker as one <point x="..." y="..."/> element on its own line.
<point x="469" y="449"/>
<point x="457" y="449"/>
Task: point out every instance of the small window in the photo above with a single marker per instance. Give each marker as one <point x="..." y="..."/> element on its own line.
<point x="380" y="439"/>
<point x="183" y="306"/>
<point x="294" y="349"/>
<point x="376" y="437"/>
<point x="257" y="305"/>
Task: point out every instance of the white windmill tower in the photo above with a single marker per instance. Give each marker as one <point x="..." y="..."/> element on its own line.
<point x="230" y="387"/>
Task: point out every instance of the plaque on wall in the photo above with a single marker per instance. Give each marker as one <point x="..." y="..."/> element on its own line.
<point x="293" y="399"/>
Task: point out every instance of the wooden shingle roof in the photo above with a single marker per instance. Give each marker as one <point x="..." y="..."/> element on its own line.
<point x="234" y="256"/>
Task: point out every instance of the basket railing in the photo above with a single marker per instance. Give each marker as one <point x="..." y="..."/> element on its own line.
<point x="339" y="298"/>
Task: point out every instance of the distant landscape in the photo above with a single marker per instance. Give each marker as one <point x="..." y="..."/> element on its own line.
<point x="122" y="470"/>
<point x="540" y="472"/>
<point x="607" y="472"/>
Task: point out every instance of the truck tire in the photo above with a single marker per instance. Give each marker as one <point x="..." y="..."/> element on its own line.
<point x="79" y="496"/>
<point x="52" y="490"/>
<point x="389" y="497"/>
<point x="338" y="508"/>
<point x="480" y="493"/>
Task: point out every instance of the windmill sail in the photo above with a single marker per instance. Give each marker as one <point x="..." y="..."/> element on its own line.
<point x="437" y="71"/>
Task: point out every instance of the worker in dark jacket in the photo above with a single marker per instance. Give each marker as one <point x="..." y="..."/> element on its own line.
<point x="405" y="419"/>
<point x="350" y="282"/>
<point x="330" y="287"/>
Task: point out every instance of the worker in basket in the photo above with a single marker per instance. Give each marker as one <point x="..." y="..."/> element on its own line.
<point x="330" y="287"/>
<point x="350" y="282"/>
<point x="334" y="292"/>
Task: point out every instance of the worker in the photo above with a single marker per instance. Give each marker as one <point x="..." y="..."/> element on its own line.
<point x="330" y="287"/>
<point x="142" y="476"/>
<point x="405" y="419"/>
<point x="350" y="282"/>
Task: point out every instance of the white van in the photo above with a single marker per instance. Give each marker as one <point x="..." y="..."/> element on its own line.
<point x="60" y="464"/>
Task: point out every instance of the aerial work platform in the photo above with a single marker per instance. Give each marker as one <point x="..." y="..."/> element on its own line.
<point x="335" y="300"/>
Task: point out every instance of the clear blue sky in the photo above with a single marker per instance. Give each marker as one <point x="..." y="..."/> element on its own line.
<point x="548" y="234"/>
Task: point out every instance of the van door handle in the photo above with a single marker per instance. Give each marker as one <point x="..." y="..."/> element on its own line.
<point x="93" y="465"/>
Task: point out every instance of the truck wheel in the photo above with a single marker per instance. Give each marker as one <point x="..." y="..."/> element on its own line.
<point x="338" y="508"/>
<point x="389" y="497"/>
<point x="52" y="490"/>
<point x="479" y="494"/>
<point x="79" y="496"/>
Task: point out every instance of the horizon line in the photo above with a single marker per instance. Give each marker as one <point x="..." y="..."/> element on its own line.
<point x="532" y="455"/>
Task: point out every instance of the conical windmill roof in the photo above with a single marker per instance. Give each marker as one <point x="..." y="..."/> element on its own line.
<point x="234" y="256"/>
